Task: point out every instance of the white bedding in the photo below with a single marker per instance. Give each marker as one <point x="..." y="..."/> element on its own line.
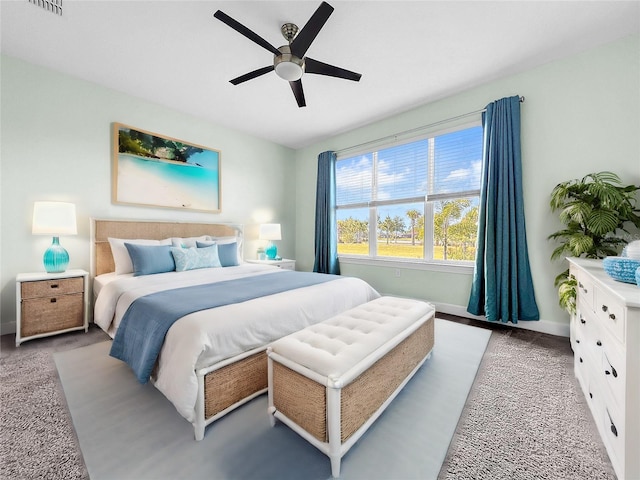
<point x="203" y="338"/>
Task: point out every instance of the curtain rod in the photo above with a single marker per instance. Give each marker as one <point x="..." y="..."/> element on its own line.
<point x="414" y="130"/>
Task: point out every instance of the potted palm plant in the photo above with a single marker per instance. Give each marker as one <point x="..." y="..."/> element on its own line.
<point x="596" y="211"/>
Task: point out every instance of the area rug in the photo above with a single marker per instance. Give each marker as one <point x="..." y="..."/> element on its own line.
<point x="131" y="431"/>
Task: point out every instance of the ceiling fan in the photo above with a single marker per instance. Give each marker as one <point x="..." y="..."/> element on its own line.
<point x="289" y="61"/>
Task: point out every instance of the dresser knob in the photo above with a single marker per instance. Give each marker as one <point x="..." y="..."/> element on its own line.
<point x="599" y="343"/>
<point x="604" y="308"/>
<point x="580" y="359"/>
<point x="53" y="300"/>
<point x="612" y="316"/>
<point x="582" y="320"/>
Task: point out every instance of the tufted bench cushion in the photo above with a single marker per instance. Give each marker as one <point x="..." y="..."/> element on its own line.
<point x="331" y="380"/>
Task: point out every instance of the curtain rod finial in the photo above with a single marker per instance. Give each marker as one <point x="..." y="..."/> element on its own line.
<point x="522" y="99"/>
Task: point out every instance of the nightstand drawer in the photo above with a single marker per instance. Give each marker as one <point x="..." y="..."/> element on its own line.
<point x="49" y="314"/>
<point x="50" y="288"/>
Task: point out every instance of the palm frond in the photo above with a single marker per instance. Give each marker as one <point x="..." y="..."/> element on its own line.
<point x="579" y="243"/>
<point x="601" y="221"/>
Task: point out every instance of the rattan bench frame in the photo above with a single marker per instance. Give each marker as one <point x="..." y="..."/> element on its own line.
<point x="332" y="415"/>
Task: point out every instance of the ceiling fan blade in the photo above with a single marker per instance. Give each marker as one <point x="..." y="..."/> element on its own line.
<point x="320" y="68"/>
<point x="238" y="27"/>
<point x="303" y="40"/>
<point x="298" y="92"/>
<point x="252" y="75"/>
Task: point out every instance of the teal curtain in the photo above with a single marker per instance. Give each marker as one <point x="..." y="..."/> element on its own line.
<point x="326" y="239"/>
<point x="502" y="288"/>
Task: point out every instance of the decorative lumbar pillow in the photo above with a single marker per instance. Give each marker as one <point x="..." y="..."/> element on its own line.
<point x="150" y="259"/>
<point x="121" y="257"/>
<point x="193" y="258"/>
<point x="227" y="252"/>
<point x="188" y="242"/>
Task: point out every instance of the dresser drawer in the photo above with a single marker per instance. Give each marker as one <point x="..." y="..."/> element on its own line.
<point x="50" y="314"/>
<point x="611" y="313"/>
<point x="48" y="288"/>
<point x="613" y="433"/>
<point x="585" y="292"/>
<point x="612" y="370"/>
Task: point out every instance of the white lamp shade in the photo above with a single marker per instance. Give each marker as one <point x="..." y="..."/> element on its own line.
<point x="270" y="231"/>
<point x="54" y="218"/>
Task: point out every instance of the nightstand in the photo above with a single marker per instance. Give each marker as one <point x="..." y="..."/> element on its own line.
<point x="50" y="303"/>
<point x="284" y="263"/>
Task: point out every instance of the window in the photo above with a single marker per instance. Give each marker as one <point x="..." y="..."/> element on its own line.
<point x="416" y="201"/>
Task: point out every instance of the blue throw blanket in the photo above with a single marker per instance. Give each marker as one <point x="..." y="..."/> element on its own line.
<point x="145" y="323"/>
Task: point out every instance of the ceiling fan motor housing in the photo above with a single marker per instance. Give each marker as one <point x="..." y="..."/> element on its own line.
<point x="287" y="65"/>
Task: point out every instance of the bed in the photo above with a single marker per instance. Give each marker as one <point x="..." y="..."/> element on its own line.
<point x="212" y="360"/>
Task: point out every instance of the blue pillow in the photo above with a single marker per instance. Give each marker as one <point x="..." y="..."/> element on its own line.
<point x="193" y="258"/>
<point x="149" y="259"/>
<point x="227" y="252"/>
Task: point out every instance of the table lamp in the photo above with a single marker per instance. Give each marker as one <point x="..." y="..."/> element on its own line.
<point x="270" y="231"/>
<point x="56" y="219"/>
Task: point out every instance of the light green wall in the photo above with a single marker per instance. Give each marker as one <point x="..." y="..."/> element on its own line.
<point x="56" y="145"/>
<point x="581" y="115"/>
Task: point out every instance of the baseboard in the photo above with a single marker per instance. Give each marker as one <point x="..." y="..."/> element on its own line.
<point x="544" y="326"/>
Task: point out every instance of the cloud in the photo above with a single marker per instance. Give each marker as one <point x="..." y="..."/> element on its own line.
<point x="463" y="178"/>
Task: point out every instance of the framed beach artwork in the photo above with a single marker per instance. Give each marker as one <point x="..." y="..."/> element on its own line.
<point x="158" y="171"/>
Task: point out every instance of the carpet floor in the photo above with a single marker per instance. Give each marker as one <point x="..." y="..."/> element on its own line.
<point x="525" y="416"/>
<point x="130" y="431"/>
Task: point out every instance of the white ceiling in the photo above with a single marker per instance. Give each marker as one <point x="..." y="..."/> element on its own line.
<point x="409" y="53"/>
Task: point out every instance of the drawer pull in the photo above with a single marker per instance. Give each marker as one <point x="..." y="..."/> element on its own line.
<point x="604" y="308"/>
<point x="613" y="371"/>
<point x="580" y="359"/>
<point x="53" y="300"/>
<point x="577" y="340"/>
<point x="54" y="285"/>
<point x="582" y="287"/>
<point x="599" y="343"/>
<point x="614" y="430"/>
<point x="612" y="316"/>
<point x="582" y="320"/>
<point x="590" y="395"/>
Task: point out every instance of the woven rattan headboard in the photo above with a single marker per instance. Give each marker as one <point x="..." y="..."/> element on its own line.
<point x="101" y="230"/>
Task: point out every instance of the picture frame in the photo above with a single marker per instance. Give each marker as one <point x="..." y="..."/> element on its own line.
<point x="159" y="171"/>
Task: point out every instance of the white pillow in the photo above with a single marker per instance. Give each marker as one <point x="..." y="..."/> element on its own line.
<point x="231" y="239"/>
<point x="120" y="253"/>
<point x="189" y="242"/>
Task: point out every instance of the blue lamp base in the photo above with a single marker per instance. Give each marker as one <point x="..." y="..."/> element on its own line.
<point x="56" y="258"/>
<point x="271" y="251"/>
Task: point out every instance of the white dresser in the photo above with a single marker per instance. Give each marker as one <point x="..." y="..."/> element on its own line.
<point x="605" y="337"/>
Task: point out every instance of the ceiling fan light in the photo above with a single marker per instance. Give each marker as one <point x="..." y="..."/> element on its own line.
<point x="289" y="71"/>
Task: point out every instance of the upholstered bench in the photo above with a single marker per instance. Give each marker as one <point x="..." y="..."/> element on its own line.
<point x="330" y="381"/>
